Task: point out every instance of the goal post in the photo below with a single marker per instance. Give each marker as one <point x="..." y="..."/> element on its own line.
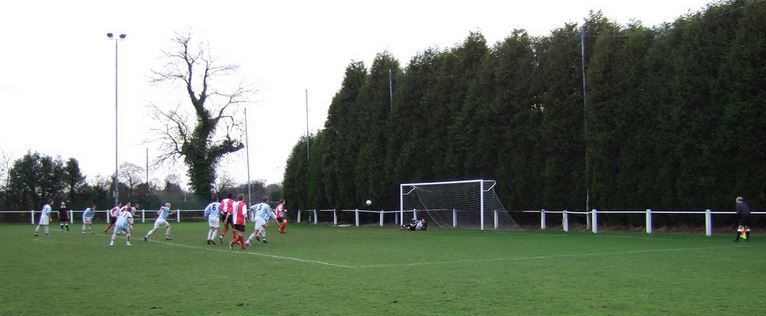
<point x="467" y="203"/>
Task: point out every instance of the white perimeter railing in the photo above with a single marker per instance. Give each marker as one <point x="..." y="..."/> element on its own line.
<point x="34" y="214"/>
<point x="592" y="216"/>
<point x="313" y="215"/>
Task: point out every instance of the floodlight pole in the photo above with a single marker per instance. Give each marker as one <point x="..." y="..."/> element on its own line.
<point x="116" y="170"/>
<point x="247" y="153"/>
<point x="585" y="118"/>
<point x="308" y="152"/>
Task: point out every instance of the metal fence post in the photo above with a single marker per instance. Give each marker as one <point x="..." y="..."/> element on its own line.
<point x="316" y="217"/>
<point x="356" y="216"/>
<point x="595" y="221"/>
<point x="71" y="217"/>
<point x="648" y="221"/>
<point x="542" y="219"/>
<point x="334" y="218"/>
<point x="33" y="216"/>
<point x="708" y="223"/>
<point x="565" y="220"/>
<point x="178" y="216"/>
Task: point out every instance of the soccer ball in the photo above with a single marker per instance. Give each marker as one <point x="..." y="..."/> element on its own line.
<point x="369" y="202"/>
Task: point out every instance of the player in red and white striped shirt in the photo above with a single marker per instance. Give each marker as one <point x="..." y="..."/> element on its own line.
<point x="281" y="214"/>
<point x="238" y="218"/>
<point x="113" y="216"/>
<point x="227" y="205"/>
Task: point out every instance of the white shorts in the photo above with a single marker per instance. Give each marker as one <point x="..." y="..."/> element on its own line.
<point x="213" y="221"/>
<point x="160" y="222"/>
<point x="87" y="220"/>
<point x="121" y="229"/>
<point x="44" y="220"/>
<point x="259" y="222"/>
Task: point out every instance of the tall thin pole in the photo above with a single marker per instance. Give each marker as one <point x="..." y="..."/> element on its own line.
<point x="116" y="170"/>
<point x="247" y="152"/>
<point x="390" y="91"/>
<point x="585" y="119"/>
<point x="147" y="165"/>
<point x="308" y="152"/>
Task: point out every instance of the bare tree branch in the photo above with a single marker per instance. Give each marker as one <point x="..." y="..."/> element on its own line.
<point x="202" y="141"/>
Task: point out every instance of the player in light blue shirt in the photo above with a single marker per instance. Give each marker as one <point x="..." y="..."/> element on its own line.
<point x="87" y="218"/>
<point x="44" y="218"/>
<point x="261" y="218"/>
<point x="213" y="216"/>
<point x="124" y="224"/>
<point x="162" y="220"/>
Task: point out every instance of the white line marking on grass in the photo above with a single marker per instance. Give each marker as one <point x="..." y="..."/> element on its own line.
<point x="394" y="265"/>
<point x="255" y="254"/>
<point x="134" y="240"/>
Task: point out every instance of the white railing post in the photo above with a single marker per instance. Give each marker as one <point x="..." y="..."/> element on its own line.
<point x="542" y="219"/>
<point x="495" y="218"/>
<point x="71" y="217"/>
<point x="334" y="218"/>
<point x="708" y="223"/>
<point x="356" y="217"/>
<point x="565" y="220"/>
<point x="648" y="221"/>
<point x="454" y="217"/>
<point x="316" y="217"/>
<point x="299" y="217"/>
<point x="594" y="228"/>
<point x="178" y="216"/>
<point x="108" y="212"/>
<point x="381" y="218"/>
<point x="33" y="216"/>
<point x="143" y="216"/>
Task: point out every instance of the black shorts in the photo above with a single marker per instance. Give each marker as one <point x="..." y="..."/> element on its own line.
<point x="239" y="228"/>
<point x="279" y="219"/>
<point x="744" y="220"/>
<point x="112" y="220"/>
<point x="64" y="217"/>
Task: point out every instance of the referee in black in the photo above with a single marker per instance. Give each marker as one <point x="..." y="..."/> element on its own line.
<point x="743" y="215"/>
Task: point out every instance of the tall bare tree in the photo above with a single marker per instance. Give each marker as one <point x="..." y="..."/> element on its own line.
<point x="216" y="129"/>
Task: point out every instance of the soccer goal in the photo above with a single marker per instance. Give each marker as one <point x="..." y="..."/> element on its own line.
<point x="469" y="203"/>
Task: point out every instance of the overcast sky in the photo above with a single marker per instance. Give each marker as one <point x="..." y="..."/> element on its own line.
<point x="57" y="75"/>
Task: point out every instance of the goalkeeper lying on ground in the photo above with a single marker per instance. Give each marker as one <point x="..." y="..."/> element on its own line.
<point x="416" y="224"/>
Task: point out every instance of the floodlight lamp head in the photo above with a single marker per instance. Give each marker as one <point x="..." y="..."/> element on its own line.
<point x="110" y="35"/>
<point x="122" y="36"/>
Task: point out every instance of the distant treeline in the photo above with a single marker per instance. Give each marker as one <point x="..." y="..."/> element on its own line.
<point x="674" y="118"/>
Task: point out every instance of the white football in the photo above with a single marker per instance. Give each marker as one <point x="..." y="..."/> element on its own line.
<point x="369" y="202"/>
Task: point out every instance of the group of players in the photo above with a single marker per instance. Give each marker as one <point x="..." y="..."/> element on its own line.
<point x="233" y="214"/>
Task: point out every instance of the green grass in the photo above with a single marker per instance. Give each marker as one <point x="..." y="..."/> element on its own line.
<point x="371" y="270"/>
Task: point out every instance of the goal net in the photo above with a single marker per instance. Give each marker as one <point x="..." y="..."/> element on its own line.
<point x="470" y="203"/>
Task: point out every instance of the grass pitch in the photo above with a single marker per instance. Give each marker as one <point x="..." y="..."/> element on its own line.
<point x="371" y="270"/>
